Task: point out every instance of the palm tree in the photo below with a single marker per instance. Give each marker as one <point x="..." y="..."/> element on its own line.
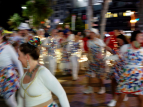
<point x="15" y="21"/>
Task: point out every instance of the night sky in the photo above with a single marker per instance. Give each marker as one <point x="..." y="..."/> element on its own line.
<point x="8" y="8"/>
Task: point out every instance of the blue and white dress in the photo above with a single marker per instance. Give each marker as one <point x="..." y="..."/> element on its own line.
<point x="96" y="62"/>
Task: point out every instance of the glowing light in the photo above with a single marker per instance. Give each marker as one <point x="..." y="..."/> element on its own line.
<point x="60" y="23"/>
<point x="133" y="21"/>
<point x="24" y="7"/>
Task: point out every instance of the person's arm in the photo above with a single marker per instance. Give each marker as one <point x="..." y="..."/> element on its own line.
<point x="54" y="86"/>
<point x="14" y="58"/>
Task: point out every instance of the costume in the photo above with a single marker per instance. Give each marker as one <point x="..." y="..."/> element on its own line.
<point x="51" y="45"/>
<point x="65" y="65"/>
<point x="75" y="49"/>
<point x="8" y="76"/>
<point x="39" y="90"/>
<point x="9" y="79"/>
<point x="131" y="78"/>
<point x="96" y="62"/>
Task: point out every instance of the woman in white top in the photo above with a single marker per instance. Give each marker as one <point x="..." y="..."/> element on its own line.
<point x="9" y="79"/>
<point x="37" y="82"/>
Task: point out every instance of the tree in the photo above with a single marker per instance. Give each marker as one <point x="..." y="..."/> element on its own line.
<point x="38" y="10"/>
<point x="103" y="18"/>
<point x="79" y="25"/>
<point x="15" y="21"/>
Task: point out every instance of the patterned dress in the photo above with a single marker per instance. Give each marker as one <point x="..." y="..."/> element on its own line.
<point x="131" y="78"/>
<point x="96" y="63"/>
<point x="9" y="80"/>
<point x="116" y="68"/>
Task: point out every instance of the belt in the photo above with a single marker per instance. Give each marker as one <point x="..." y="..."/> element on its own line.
<point x="46" y="103"/>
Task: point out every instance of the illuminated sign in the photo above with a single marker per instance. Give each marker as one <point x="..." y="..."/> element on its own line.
<point x="127" y="13"/>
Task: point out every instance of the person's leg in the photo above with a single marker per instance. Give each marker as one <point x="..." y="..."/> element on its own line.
<point x="11" y="101"/>
<point x="89" y="86"/>
<point x="113" y="89"/>
<point x="102" y="87"/>
<point x="75" y="68"/>
<point x="52" y="64"/>
<point x="140" y="99"/>
<point x="120" y="99"/>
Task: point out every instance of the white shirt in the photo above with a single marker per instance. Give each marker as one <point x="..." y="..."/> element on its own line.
<point x="43" y="85"/>
<point x="9" y="56"/>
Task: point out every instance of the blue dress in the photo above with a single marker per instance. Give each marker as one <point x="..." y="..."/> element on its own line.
<point x="96" y="63"/>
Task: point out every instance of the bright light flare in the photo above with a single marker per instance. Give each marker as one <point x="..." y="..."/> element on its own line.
<point x="24" y="7"/>
<point x="133" y="21"/>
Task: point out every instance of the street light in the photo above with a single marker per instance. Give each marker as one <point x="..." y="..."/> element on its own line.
<point x="24" y="7"/>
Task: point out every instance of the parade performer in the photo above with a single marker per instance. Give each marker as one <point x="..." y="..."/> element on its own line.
<point x="115" y="73"/>
<point x="51" y="44"/>
<point x="65" y="65"/>
<point x="96" y="62"/>
<point x="75" y="48"/>
<point x="131" y="80"/>
<point x="37" y="83"/>
<point x="9" y="79"/>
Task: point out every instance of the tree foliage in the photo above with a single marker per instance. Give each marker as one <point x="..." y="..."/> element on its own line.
<point x="79" y="25"/>
<point x="38" y="9"/>
<point x="15" y="21"/>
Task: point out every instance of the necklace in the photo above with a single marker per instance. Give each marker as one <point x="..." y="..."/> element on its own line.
<point x="30" y="73"/>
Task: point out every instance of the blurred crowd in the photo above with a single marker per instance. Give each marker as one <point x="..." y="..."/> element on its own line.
<point x="70" y="52"/>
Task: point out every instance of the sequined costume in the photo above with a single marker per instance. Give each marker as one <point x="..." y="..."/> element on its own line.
<point x="131" y="78"/>
<point x="75" y="49"/>
<point x="96" y="62"/>
<point x="9" y="79"/>
<point x="50" y="60"/>
<point x="65" y="61"/>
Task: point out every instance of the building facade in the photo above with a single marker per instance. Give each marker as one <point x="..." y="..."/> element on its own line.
<point x="62" y="9"/>
<point x="118" y="15"/>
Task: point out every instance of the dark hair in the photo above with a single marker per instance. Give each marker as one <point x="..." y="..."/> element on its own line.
<point x="60" y="31"/>
<point x="76" y="33"/>
<point x="70" y="31"/>
<point x="123" y="38"/>
<point x="134" y="35"/>
<point x="33" y="51"/>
